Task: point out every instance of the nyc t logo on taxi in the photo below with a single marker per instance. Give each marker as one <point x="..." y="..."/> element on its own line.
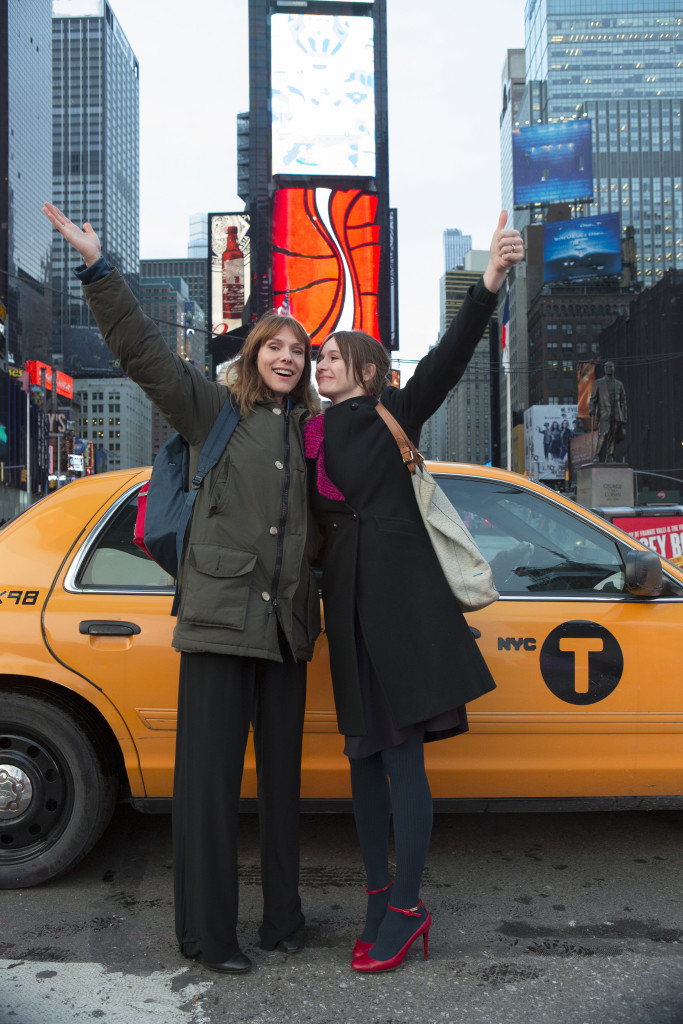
<point x="581" y="662"/>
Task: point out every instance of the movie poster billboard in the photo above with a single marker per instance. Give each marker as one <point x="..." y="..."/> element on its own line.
<point x="552" y="163"/>
<point x="230" y="274"/>
<point x="585" y="247"/>
<point x="548" y="429"/>
<point x="664" y="534"/>
<point x="326" y="259"/>
<point x="323" y="95"/>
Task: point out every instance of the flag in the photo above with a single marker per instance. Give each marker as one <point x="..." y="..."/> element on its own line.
<point x="504" y="332"/>
<point x="284" y="309"/>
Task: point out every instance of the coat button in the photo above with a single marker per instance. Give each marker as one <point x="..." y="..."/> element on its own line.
<point x="335" y="526"/>
<point x="278" y="464"/>
<point x="273" y="530"/>
<point x="265" y="595"/>
<point x="354" y="405"/>
<point x="277" y="410"/>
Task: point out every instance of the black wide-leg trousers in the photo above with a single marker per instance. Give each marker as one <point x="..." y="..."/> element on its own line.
<point x="219" y="696"/>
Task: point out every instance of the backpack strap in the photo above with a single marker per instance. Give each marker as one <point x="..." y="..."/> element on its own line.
<point x="212" y="449"/>
<point x="217" y="439"/>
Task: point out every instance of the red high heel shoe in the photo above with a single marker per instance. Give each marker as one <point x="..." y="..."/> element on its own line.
<point x="362" y="947"/>
<point x="366" y="964"/>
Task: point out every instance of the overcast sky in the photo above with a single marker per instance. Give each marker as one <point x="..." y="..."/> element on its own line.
<point x="445" y="59"/>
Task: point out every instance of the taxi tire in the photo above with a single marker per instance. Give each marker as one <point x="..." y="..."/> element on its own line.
<point x="73" y="793"/>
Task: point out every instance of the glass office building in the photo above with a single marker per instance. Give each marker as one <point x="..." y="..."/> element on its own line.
<point x="25" y="180"/>
<point x="96" y="146"/>
<point x="455" y="246"/>
<point x="619" y="62"/>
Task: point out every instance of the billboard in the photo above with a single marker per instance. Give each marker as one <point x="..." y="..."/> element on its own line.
<point x="548" y="429"/>
<point x="326" y="259"/>
<point x="86" y="354"/>
<point x="63" y="383"/>
<point x="552" y="163"/>
<point x="664" y="534"/>
<point x="585" y="247"/>
<point x="323" y="95"/>
<point x="230" y="274"/>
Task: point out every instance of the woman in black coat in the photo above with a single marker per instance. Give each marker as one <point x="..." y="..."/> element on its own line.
<point x="404" y="662"/>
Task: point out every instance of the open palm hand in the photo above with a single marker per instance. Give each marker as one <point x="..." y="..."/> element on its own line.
<point x="84" y="240"/>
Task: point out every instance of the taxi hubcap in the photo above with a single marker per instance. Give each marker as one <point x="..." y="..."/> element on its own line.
<point x="15" y="791"/>
<point x="35" y="795"/>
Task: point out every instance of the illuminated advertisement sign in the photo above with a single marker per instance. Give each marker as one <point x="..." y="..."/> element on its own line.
<point x="582" y="248"/>
<point x="548" y="429"/>
<point x="323" y="95"/>
<point x="664" y="534"/>
<point x="326" y="258"/>
<point x="552" y="163"/>
<point x="63" y="383"/>
<point x="229" y="281"/>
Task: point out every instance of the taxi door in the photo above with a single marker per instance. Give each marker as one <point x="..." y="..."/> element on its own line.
<point x="586" y="702"/>
<point x="108" y="619"/>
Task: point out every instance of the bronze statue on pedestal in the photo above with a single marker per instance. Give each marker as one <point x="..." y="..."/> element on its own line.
<point x="608" y="406"/>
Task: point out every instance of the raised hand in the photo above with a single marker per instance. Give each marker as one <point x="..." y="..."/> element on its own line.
<point x="85" y="241"/>
<point x="507" y="249"/>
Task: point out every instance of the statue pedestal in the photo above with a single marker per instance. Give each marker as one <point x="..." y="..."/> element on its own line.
<point x="604" y="484"/>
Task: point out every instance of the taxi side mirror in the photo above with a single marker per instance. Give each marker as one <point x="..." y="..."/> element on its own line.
<point x="643" y="573"/>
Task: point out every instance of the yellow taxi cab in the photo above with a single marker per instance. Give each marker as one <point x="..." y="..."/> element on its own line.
<point x="585" y="644"/>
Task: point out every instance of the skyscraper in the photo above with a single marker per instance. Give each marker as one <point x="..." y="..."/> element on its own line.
<point x="96" y="146"/>
<point x="25" y="180"/>
<point x="455" y="245"/>
<point x="621" y="65"/>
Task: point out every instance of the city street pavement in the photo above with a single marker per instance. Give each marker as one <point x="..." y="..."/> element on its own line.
<point x="538" y="919"/>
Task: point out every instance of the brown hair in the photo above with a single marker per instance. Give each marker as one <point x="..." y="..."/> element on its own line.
<point x="357" y="350"/>
<point x="249" y="387"/>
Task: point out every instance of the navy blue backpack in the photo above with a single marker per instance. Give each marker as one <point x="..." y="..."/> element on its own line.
<point x="165" y="503"/>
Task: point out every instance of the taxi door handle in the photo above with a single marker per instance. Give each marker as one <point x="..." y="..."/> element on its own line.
<point x="100" y="627"/>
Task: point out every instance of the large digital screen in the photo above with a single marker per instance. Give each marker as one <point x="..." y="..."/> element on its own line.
<point x="582" y="248"/>
<point x="552" y="163"/>
<point x="326" y="259"/>
<point x="230" y="276"/>
<point x="323" y="95"/>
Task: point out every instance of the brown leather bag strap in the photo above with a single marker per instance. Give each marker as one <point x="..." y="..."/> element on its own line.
<point x="409" y="453"/>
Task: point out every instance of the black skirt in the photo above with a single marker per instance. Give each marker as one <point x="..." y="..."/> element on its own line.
<point x="380" y="731"/>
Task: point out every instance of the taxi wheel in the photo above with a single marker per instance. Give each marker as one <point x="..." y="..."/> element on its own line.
<point x="56" y="798"/>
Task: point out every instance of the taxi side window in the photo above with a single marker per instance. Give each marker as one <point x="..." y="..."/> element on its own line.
<point x="535" y="547"/>
<point x="115" y="562"/>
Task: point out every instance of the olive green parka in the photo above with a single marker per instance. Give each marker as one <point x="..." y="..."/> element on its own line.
<point x="244" y="566"/>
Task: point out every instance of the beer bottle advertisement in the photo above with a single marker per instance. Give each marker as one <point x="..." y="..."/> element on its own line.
<point x="229" y="235"/>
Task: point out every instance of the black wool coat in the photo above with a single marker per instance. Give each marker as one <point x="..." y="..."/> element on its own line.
<point x="378" y="563"/>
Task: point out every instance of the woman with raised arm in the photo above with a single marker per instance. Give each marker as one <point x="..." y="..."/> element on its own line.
<point x="248" y="610"/>
<point x="404" y="662"/>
